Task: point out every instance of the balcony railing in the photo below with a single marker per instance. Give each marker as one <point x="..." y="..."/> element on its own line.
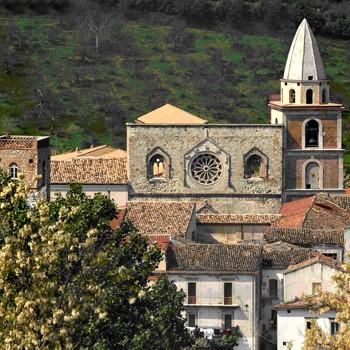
<point x="212" y="301"/>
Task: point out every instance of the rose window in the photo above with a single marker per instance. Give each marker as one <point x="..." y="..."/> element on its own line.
<point x="206" y="169"/>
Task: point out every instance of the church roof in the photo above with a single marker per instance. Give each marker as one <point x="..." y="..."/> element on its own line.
<point x="102" y="151"/>
<point x="169" y="114"/>
<point x="304" y="59"/>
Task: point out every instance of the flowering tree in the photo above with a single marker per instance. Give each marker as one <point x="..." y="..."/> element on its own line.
<point x="340" y="302"/>
<point x="68" y="281"/>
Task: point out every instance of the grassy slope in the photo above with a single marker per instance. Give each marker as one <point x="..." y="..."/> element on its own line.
<point x="188" y="78"/>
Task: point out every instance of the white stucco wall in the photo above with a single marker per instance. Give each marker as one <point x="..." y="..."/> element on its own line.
<point x="292" y="325"/>
<point x="118" y="193"/>
<point x="299" y="282"/>
<point x="210" y="290"/>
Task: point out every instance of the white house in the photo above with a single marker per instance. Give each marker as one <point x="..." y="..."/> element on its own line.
<point x="222" y="286"/>
<point x="301" y="283"/>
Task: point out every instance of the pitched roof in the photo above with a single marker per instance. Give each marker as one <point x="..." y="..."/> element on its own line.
<point x="308" y="302"/>
<point x="161" y="217"/>
<point x="209" y="258"/>
<point x="316" y="212"/>
<point x="304" y="59"/>
<point x="282" y="254"/>
<point x="318" y="259"/>
<point x="342" y="200"/>
<point x="306" y="237"/>
<point x="89" y="171"/>
<point x="169" y="114"/>
<point x="103" y="151"/>
<point x="237" y="218"/>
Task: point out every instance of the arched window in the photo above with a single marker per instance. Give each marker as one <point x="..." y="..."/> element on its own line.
<point x="157" y="166"/>
<point x="13" y="171"/>
<point x="312" y="176"/>
<point x="312" y="133"/>
<point x="292" y="96"/>
<point x="324" y="95"/>
<point x="254" y="166"/>
<point x="309" y="96"/>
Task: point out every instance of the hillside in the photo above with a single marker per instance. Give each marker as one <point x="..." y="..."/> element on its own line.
<point x="52" y="80"/>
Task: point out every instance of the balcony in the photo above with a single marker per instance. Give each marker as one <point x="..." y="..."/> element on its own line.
<point x="212" y="301"/>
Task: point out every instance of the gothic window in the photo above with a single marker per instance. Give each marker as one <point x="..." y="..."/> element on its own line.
<point x="292" y="96"/>
<point x="13" y="171"/>
<point x="324" y="95"/>
<point x="309" y="96"/>
<point x="312" y="133"/>
<point x="254" y="166"/>
<point x="206" y="169"/>
<point x="156" y="166"/>
<point x="312" y="176"/>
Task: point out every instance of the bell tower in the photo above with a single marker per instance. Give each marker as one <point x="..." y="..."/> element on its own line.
<point x="312" y="147"/>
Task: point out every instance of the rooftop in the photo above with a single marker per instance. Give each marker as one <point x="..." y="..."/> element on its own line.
<point x="306" y="237"/>
<point x="89" y="171"/>
<point x="304" y="59"/>
<point x="210" y="258"/>
<point x="169" y="114"/>
<point x="318" y="259"/>
<point x="161" y="217"/>
<point x="103" y="151"/>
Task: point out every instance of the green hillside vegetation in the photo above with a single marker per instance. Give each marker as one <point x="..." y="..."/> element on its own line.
<point x="54" y="81"/>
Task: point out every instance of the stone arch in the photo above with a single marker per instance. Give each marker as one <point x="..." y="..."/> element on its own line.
<point x="158" y="164"/>
<point x="255" y="164"/>
<point x="309" y="96"/>
<point x="291" y="96"/>
<point x="312" y="133"/>
<point x="312" y="175"/>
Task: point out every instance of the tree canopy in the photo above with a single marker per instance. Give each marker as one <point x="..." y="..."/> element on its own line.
<point x="68" y="281"/>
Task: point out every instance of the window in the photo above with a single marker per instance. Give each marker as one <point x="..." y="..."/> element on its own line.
<point x="276" y="121"/>
<point x="13" y="170"/>
<point x="312" y="176"/>
<point x="206" y="169"/>
<point x="228" y="321"/>
<point x="309" y="96"/>
<point x="273" y="288"/>
<point x="156" y="166"/>
<point x="228" y="293"/>
<point x="292" y="96"/>
<point x="191" y="319"/>
<point x="312" y="133"/>
<point x="310" y="77"/>
<point x="273" y="320"/>
<point x="333" y="256"/>
<point x="308" y="325"/>
<point x="334" y="327"/>
<point x="324" y="95"/>
<point x="316" y="287"/>
<point x="254" y="166"/>
<point x="191" y="292"/>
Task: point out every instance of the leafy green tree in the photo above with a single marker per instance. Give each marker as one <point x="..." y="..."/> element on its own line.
<point x="68" y="281"/>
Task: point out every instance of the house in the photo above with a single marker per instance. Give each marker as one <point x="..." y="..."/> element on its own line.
<point x="222" y="284"/>
<point x="301" y="282"/>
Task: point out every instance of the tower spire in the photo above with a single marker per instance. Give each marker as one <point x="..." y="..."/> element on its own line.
<point x="304" y="61"/>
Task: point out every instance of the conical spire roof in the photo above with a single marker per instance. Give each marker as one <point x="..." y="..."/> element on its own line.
<point x="304" y="59"/>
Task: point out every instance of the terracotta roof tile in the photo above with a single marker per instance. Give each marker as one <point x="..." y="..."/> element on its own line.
<point x="103" y="151"/>
<point x="283" y="254"/>
<point x="169" y="114"/>
<point x="342" y="200"/>
<point x="318" y="259"/>
<point x="209" y="258"/>
<point x="237" y="218"/>
<point x="305" y="237"/>
<point x="89" y="171"/>
<point x="308" y="302"/>
<point x="161" y="217"/>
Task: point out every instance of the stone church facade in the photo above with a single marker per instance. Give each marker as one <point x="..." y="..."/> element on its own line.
<point x="234" y="168"/>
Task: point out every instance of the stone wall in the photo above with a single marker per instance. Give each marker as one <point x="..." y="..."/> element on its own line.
<point x="232" y="193"/>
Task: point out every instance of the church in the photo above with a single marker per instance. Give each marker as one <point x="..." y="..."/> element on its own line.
<point x="245" y="168"/>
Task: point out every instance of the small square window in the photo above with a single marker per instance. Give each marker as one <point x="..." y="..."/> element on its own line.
<point x="298" y="84"/>
<point x="285" y="84"/>
<point x="288" y="311"/>
<point x="310" y="77"/>
<point x="30" y="161"/>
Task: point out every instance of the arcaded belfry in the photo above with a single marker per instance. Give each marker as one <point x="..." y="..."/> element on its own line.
<point x="313" y="154"/>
